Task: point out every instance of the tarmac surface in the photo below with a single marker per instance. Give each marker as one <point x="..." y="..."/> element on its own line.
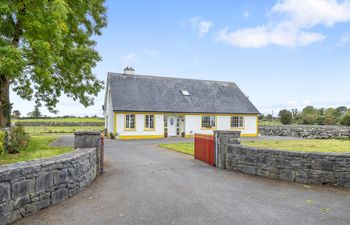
<point x="145" y="184"/>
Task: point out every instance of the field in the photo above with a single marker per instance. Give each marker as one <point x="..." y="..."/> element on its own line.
<point x="43" y="136"/>
<point x="39" y="147"/>
<point x="306" y="145"/>
<point x="331" y="145"/>
<point x="48" y="130"/>
<point x="68" y="119"/>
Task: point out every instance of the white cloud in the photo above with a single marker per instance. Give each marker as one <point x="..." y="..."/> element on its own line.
<point x="202" y="27"/>
<point x="292" y="20"/>
<point x="129" y="59"/>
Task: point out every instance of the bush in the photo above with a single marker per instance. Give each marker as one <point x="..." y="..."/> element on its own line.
<point x="285" y="116"/>
<point x="345" y="120"/>
<point x="2" y="141"/>
<point x="111" y="135"/>
<point x="18" y="140"/>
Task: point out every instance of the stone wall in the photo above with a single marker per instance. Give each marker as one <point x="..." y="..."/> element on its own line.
<point x="305" y="131"/>
<point x="309" y="168"/>
<point x="26" y="187"/>
<point x="60" y="124"/>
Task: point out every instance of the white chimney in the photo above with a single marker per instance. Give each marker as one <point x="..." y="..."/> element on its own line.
<point x="129" y="71"/>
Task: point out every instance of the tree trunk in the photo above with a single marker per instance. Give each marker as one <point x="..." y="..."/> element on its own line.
<point x="5" y="106"/>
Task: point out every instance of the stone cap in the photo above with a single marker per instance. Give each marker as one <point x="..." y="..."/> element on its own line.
<point x="227" y="132"/>
<point x="87" y="133"/>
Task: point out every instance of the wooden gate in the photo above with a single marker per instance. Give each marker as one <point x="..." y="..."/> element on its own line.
<point x="204" y="148"/>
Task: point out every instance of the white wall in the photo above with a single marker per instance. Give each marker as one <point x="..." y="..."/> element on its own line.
<point x="193" y="124"/>
<point x="109" y="120"/>
<point x="140" y="126"/>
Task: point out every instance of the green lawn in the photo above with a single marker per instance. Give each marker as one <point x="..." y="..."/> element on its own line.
<point x="329" y="145"/>
<point x="39" y="147"/>
<point x="184" y="147"/>
<point x="40" y="130"/>
<point x="69" y="119"/>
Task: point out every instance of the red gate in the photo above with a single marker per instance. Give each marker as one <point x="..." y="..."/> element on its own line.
<point x="204" y="148"/>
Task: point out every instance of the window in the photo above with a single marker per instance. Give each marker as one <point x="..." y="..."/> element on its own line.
<point x="185" y="93"/>
<point x="149" y="122"/>
<point x="129" y="122"/>
<point x="208" y="122"/>
<point x="237" y="121"/>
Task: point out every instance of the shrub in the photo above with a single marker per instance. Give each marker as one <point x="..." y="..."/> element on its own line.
<point x="330" y="120"/>
<point x="345" y="120"/>
<point x="2" y="141"/>
<point x="285" y="116"/>
<point x="18" y="140"/>
<point x="111" y="135"/>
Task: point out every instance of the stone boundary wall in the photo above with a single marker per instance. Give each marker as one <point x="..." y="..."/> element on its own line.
<point x="305" y="131"/>
<point x="26" y="187"/>
<point x="61" y="124"/>
<point x="309" y="168"/>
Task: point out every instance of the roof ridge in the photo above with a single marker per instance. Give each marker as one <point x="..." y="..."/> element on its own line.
<point x="179" y="78"/>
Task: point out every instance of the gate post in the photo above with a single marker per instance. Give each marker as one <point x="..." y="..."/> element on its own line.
<point x="89" y="139"/>
<point x="221" y="139"/>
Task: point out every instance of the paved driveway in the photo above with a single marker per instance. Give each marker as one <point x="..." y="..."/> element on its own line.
<point x="145" y="184"/>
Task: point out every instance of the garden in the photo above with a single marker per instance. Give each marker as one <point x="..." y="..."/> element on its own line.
<point x="25" y="143"/>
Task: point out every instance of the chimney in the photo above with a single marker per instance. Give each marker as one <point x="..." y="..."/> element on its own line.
<point x="129" y="71"/>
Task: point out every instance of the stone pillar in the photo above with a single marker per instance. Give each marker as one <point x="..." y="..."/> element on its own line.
<point x="89" y="139"/>
<point x="221" y="139"/>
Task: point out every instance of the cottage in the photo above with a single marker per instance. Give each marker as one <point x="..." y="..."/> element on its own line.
<point x="139" y="106"/>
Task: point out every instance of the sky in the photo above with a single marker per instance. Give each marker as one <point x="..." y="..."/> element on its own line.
<point x="282" y="54"/>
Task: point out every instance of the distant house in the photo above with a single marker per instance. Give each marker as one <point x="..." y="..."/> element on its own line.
<point x="139" y="106"/>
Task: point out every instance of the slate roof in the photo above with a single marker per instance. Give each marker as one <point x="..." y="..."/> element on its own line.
<point x="142" y="93"/>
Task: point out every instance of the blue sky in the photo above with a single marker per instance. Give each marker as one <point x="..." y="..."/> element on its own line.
<point x="283" y="54"/>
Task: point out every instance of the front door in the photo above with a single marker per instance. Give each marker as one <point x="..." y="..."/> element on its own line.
<point x="172" y="121"/>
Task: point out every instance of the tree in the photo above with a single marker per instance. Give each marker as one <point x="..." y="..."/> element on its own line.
<point x="16" y="113"/>
<point x="47" y="50"/>
<point x="36" y="112"/>
<point x="309" y="115"/>
<point x="345" y="120"/>
<point x="340" y="111"/>
<point x="285" y="116"/>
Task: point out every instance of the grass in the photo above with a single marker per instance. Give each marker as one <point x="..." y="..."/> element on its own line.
<point x="41" y="130"/>
<point x="184" y="147"/>
<point x="39" y="147"/>
<point x="328" y="145"/>
<point x="68" y="119"/>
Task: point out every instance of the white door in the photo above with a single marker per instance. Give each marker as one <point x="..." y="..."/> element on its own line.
<point x="172" y="126"/>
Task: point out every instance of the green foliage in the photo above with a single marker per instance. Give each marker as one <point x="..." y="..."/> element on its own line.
<point x="47" y="48"/>
<point x="39" y="147"/>
<point x="2" y="141"/>
<point x="285" y="116"/>
<point x="18" y="140"/>
<point x="36" y="112"/>
<point x="345" y="120"/>
<point x="111" y="135"/>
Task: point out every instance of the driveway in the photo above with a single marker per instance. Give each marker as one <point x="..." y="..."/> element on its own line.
<point x="145" y="184"/>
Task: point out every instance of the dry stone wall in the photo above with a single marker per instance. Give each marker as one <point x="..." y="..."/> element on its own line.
<point x="29" y="186"/>
<point x="309" y="168"/>
<point x="305" y="131"/>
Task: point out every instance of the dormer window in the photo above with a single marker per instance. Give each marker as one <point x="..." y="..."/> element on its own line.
<point x="185" y="93"/>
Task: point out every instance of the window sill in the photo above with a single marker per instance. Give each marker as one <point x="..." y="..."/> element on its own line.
<point x="204" y="128"/>
<point x="149" y="129"/>
<point x="128" y="129"/>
